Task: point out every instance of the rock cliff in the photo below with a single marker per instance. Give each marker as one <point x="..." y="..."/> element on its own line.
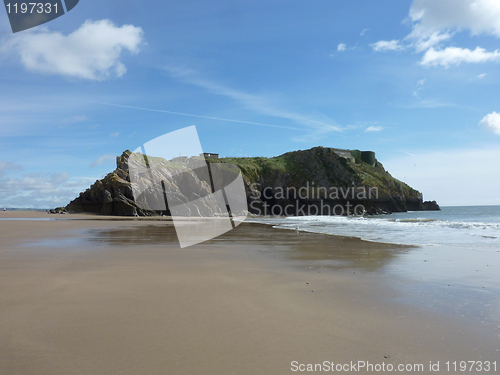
<point x="314" y="181"/>
<point x="324" y="178"/>
<point x="114" y="194"/>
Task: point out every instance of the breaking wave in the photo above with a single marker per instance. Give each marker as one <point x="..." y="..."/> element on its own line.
<point x="451" y="226"/>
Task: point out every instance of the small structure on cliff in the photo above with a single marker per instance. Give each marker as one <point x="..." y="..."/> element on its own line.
<point x="210" y="155"/>
<point x="346" y="154"/>
<point x="356" y="155"/>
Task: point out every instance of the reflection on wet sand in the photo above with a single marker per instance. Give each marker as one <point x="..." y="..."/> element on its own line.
<point x="313" y="250"/>
<point x="154" y="234"/>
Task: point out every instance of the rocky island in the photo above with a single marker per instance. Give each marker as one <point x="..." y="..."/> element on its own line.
<point x="323" y="179"/>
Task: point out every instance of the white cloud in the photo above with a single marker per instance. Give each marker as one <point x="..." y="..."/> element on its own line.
<point x="342" y="47"/>
<point x="374" y="129"/>
<point x="114" y="135"/>
<point x="91" y="52"/>
<point x="491" y="122"/>
<point x="455" y="56"/>
<point x="478" y="16"/>
<point x="387" y="45"/>
<point x="437" y="21"/>
<point x="363" y="32"/>
<point x="34" y="181"/>
<point x="423" y="43"/>
<point x="40" y="191"/>
<point x="102" y="160"/>
<point x="481" y="76"/>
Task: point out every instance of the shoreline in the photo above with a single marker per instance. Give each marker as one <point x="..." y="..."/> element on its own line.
<point x="39" y="215"/>
<point x="105" y="297"/>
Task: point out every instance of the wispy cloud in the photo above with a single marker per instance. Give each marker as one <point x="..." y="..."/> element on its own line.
<point x="82" y="182"/>
<point x="374" y="129"/>
<point x="342" y="47"/>
<point x="196" y="116"/>
<point x="363" y="32"/>
<point x="8" y="166"/>
<point x="74" y="120"/>
<point x="430" y="103"/>
<point x="418" y="87"/>
<point x="102" y="160"/>
<point x="319" y="124"/>
<point x="114" y="135"/>
<point x="387" y="45"/>
<point x="424" y="42"/>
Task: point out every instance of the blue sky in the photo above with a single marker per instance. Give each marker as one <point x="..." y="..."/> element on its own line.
<point x="415" y="81"/>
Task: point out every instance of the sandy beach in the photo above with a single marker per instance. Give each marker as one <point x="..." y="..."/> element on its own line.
<point x="93" y="295"/>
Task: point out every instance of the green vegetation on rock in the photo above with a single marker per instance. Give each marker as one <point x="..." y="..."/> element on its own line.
<point x="309" y="170"/>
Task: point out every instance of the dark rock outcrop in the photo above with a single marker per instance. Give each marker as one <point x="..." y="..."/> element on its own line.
<point x="315" y="181"/>
<point x="58" y="210"/>
<point x="113" y="195"/>
<point x="431" y="206"/>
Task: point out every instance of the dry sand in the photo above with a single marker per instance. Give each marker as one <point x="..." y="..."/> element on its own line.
<point x="110" y="297"/>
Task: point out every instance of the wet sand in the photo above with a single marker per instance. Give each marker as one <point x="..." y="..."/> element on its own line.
<point x="99" y="296"/>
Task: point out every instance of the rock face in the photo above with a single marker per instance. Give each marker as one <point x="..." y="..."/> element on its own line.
<point x="310" y="182"/>
<point x="321" y="181"/>
<point x="110" y="196"/>
<point x="431" y="206"/>
<point x="113" y="195"/>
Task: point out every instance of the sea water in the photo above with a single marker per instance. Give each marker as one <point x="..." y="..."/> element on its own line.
<point x="472" y="227"/>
